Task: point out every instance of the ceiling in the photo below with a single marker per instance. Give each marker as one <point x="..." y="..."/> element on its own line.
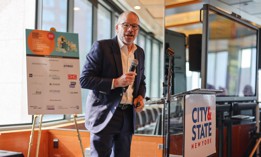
<point x="183" y="15"/>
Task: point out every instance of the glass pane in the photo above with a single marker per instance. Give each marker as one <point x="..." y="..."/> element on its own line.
<point x="148" y="66"/>
<point x="115" y="22"/>
<point x="161" y="70"/>
<point x="142" y="41"/>
<point x="54" y="15"/>
<point x="231" y="49"/>
<point x="104" y="23"/>
<point x="52" y="117"/>
<point x="15" y="18"/>
<point x="155" y="88"/>
<point x="83" y="26"/>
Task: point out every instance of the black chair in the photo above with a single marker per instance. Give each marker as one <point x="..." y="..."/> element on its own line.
<point x="158" y="127"/>
<point x="150" y="115"/>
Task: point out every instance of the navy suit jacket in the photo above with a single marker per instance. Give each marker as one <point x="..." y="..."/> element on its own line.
<point x="103" y="63"/>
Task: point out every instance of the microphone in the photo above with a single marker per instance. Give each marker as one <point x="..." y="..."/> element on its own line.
<point x="170" y="52"/>
<point x="132" y="68"/>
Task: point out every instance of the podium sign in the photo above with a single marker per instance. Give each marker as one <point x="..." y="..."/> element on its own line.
<point x="200" y="125"/>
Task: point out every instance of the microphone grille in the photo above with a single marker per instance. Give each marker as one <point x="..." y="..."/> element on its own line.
<point x="135" y="62"/>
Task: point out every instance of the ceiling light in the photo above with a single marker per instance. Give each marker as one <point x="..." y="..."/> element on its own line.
<point x="137" y="7"/>
<point x="76" y="8"/>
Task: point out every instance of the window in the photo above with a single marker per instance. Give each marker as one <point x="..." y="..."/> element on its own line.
<point x="15" y="17"/>
<point x="148" y="66"/>
<point x="83" y="26"/>
<point x="104" y="23"/>
<point x="155" y="73"/>
<point x="161" y="70"/>
<point x="54" y="14"/>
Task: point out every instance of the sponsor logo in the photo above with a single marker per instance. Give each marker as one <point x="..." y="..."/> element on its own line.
<point x="72" y="84"/>
<point x="74" y="92"/>
<point x="54" y="91"/>
<point x="68" y="65"/>
<point x="35" y="107"/>
<point x="54" y="100"/>
<point x="39" y="63"/>
<point x="35" y="75"/>
<point x="55" y="77"/>
<point x="202" y="126"/>
<point x="62" y="107"/>
<point x="54" y="84"/>
<point x="37" y="92"/>
<point x="76" y="107"/>
<point x="72" y="77"/>
<point x="54" y="70"/>
<point x="50" y="107"/>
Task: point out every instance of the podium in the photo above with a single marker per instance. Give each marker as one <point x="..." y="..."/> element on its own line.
<point x="192" y="114"/>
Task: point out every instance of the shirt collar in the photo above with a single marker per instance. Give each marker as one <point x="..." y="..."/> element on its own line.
<point x="122" y="45"/>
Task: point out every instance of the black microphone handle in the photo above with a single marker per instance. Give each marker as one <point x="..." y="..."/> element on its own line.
<point x="125" y="88"/>
<point x="132" y="68"/>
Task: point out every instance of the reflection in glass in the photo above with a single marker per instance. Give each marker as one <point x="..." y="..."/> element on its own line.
<point x="231" y="56"/>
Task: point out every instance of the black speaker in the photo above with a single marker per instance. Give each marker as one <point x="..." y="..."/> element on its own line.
<point x="194" y="46"/>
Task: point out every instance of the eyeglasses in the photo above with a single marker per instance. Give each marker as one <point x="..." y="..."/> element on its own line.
<point x="127" y="26"/>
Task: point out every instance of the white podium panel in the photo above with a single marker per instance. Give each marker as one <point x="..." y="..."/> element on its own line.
<point x="193" y="115"/>
<point x="200" y="125"/>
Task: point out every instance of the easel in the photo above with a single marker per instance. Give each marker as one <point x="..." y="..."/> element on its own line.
<point x="32" y="136"/>
<point x="255" y="148"/>
<point x="40" y="132"/>
<point x="52" y="29"/>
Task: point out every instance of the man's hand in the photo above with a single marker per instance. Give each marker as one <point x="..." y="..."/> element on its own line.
<point x="138" y="103"/>
<point x="124" y="80"/>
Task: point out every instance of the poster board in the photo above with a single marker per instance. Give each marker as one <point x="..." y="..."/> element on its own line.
<point x="200" y="125"/>
<point x="53" y="72"/>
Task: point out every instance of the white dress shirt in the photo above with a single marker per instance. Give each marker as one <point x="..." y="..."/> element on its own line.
<point x="126" y="58"/>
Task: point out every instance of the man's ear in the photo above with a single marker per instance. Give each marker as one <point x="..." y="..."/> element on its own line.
<point x="116" y="28"/>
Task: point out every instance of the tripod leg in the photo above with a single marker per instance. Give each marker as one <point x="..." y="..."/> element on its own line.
<point x="39" y="136"/>
<point x="78" y="134"/>
<point x="254" y="149"/>
<point x="31" y="137"/>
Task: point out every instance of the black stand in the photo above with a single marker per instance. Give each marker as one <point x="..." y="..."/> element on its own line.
<point x="167" y="103"/>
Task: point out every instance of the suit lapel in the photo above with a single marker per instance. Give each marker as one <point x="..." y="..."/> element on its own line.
<point x="136" y="56"/>
<point x="117" y="56"/>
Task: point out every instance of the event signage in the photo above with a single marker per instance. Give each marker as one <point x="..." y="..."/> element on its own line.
<point x="200" y="125"/>
<point x="53" y="72"/>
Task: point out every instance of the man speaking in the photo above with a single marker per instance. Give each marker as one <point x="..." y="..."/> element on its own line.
<point x="114" y="72"/>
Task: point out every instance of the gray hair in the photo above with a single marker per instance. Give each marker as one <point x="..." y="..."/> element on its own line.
<point x="124" y="14"/>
